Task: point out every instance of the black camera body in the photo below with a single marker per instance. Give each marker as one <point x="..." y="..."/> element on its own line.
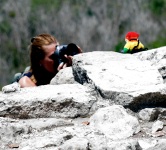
<point x="61" y="50"/>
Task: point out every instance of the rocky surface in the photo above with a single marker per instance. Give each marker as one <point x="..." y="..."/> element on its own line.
<point x="106" y="100"/>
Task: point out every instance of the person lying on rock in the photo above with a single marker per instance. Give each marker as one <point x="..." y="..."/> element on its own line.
<point x="47" y="57"/>
<point x="133" y="45"/>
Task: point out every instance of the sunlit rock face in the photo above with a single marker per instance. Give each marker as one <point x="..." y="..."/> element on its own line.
<point x="106" y="100"/>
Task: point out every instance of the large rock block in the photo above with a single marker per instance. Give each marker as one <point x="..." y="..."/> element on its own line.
<point x="67" y="100"/>
<point x="81" y="114"/>
<point x="157" y="58"/>
<point x="122" y="78"/>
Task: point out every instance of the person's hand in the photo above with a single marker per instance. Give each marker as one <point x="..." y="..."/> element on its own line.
<point x="67" y="64"/>
<point x="69" y="60"/>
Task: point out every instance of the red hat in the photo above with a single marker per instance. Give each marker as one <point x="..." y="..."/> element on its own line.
<point x="132" y="35"/>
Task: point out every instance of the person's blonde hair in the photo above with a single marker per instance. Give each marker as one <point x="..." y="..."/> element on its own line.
<point x="37" y="53"/>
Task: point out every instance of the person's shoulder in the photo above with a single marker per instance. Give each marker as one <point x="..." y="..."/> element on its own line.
<point x="25" y="81"/>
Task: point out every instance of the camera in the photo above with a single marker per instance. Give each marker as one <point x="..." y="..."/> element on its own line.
<point x="61" y="50"/>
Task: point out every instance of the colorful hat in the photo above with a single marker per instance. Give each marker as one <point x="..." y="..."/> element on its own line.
<point x="132" y="35"/>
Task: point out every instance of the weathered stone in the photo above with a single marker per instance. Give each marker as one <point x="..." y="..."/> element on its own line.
<point x="129" y="144"/>
<point x="157" y="58"/>
<point x="148" y="114"/>
<point x="157" y="126"/>
<point x="123" y="79"/>
<point x="64" y="76"/>
<point x="77" y="143"/>
<point x="147" y="143"/>
<point x="75" y="116"/>
<point x="114" y="122"/>
<point x="11" y="88"/>
<point x="160" y="145"/>
<point x="64" y="100"/>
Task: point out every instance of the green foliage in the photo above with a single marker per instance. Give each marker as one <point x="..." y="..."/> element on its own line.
<point x="33" y="21"/>
<point x="16" y="60"/>
<point x="123" y="25"/>
<point x="13" y="57"/>
<point x="47" y="4"/>
<point x="77" y="2"/>
<point x="76" y="7"/>
<point x="109" y="13"/>
<point x="89" y="12"/>
<point x="5" y="27"/>
<point x="157" y="7"/>
<point x="12" y="14"/>
<point x="157" y="43"/>
<point x="119" y="46"/>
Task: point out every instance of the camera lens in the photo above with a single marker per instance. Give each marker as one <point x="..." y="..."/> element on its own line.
<point x="62" y="50"/>
<point x="72" y="49"/>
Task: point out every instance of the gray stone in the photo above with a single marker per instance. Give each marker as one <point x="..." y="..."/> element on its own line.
<point x="77" y="144"/>
<point x="121" y="78"/>
<point x="63" y="100"/>
<point x="64" y="76"/>
<point x="114" y="122"/>
<point x="11" y="88"/>
<point x="148" y="114"/>
<point x="120" y="98"/>
<point x="157" y="126"/>
<point x="157" y="58"/>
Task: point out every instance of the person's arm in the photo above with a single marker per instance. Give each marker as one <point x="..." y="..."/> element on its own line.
<point x="126" y="48"/>
<point x="26" y="82"/>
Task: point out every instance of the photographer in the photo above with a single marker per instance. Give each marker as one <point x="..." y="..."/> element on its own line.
<point x="47" y="58"/>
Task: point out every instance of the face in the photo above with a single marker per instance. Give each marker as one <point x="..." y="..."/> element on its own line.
<point x="47" y="62"/>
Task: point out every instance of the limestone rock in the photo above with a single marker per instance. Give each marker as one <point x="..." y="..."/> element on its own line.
<point x="157" y="126"/>
<point x="11" y="88"/>
<point x="106" y="100"/>
<point x="114" y="122"/>
<point x="64" y="100"/>
<point x="121" y="78"/>
<point x="64" y="76"/>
